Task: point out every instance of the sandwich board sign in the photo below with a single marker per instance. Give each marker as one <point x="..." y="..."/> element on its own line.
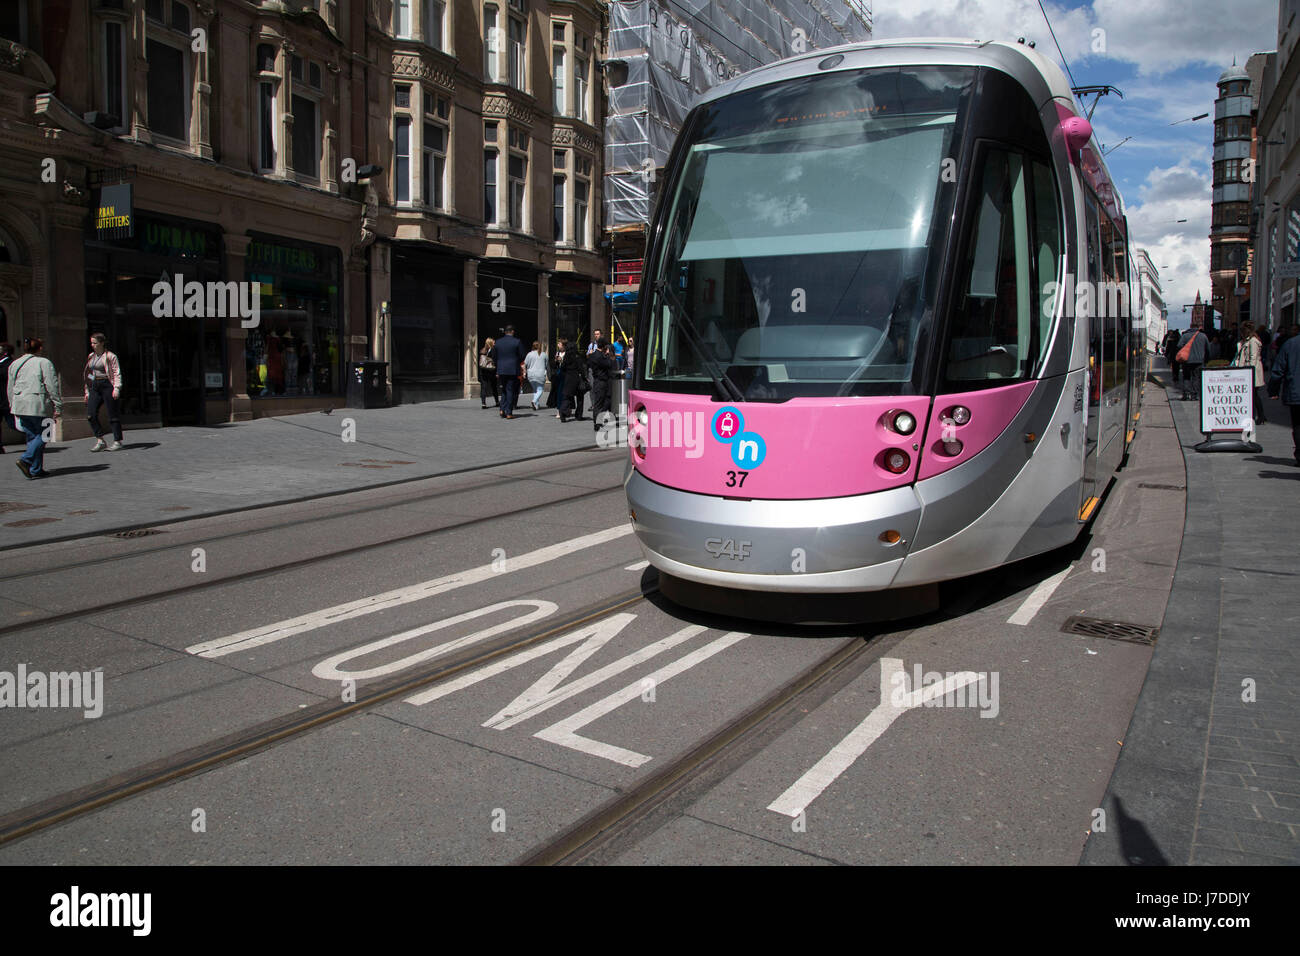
<point x="1227" y="406"/>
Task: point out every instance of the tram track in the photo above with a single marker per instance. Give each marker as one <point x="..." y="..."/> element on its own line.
<point x="71" y="804"/>
<point x="257" y="573"/>
<point x="299" y="523"/>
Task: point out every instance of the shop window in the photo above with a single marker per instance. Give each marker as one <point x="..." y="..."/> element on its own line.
<point x="402" y="157"/>
<point x="114" y="78"/>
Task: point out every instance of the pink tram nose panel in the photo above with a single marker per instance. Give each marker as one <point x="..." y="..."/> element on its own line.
<point x="991" y="411"/>
<point x="805" y="448"/>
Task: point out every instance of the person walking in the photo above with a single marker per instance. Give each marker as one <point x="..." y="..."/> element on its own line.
<point x="1285" y="380"/>
<point x="508" y="353"/>
<point x="604" y="369"/>
<point x="557" y="378"/>
<point x="535" y="367"/>
<point x="575" y="383"/>
<point x="102" y="385"/>
<point x="1193" y="347"/>
<point x="1248" y="357"/>
<point x="35" y="395"/>
<point x="487" y="374"/>
<point x="6" y="359"/>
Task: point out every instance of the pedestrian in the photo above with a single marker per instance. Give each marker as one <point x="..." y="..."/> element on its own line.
<point x="487" y="374"/>
<point x="535" y="366"/>
<point x="1285" y="380"/>
<point x="575" y="383"/>
<point x="508" y="353"/>
<point x="618" y="354"/>
<point x="6" y="358"/>
<point x="1192" y="350"/>
<point x="557" y="377"/>
<point x="102" y="385"/>
<point x="1248" y="357"/>
<point x="35" y="397"/>
<point x="604" y="369"/>
<point x="629" y="354"/>
<point x="597" y="342"/>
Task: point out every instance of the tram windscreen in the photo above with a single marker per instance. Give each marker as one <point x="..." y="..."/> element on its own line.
<point x="802" y="233"/>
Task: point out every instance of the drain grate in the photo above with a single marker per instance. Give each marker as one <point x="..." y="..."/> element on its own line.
<point x="7" y="506"/>
<point x="1111" y="630"/>
<point x="138" y="533"/>
<point x="1148" y="484"/>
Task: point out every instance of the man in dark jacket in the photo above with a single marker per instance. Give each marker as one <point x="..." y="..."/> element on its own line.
<point x="509" y="356"/>
<point x="575" y="382"/>
<point x="1196" y="358"/>
<point x="604" y="369"/>
<point x="1285" y="379"/>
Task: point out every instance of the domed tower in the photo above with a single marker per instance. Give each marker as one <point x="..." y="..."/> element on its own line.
<point x="1234" y="176"/>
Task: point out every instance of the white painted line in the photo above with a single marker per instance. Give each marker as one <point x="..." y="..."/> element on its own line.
<point x="1037" y="599"/>
<point x="565" y="732"/>
<point x="639" y="566"/>
<point x="825" y="772"/>
<point x="270" y="633"/>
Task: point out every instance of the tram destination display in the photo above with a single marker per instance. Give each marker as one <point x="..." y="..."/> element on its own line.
<point x="1226" y="399"/>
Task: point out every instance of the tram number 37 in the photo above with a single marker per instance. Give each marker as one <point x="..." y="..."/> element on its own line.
<point x="731" y="479"/>
<point x="728" y="548"/>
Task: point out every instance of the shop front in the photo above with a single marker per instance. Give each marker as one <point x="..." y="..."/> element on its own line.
<point x="570" y="310"/>
<point x="426" y="325"/>
<point x="507" y="295"/>
<point x="171" y="362"/>
<point x="298" y="347"/>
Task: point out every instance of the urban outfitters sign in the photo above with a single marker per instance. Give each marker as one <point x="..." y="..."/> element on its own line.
<point x="113" y="216"/>
<point x="1227" y="400"/>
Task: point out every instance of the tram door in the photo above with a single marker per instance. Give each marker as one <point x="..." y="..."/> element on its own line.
<point x="1092" y="396"/>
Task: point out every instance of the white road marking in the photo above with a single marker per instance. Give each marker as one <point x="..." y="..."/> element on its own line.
<point x="565" y="732"/>
<point x="328" y="669"/>
<point x="639" y="566"/>
<point x="825" y="772"/>
<point x="270" y="633"/>
<point x="1037" y="599"/>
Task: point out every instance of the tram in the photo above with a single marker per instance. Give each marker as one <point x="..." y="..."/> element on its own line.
<point x="884" y="329"/>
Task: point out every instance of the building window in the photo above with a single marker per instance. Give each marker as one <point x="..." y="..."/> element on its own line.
<point x="518" y="177"/>
<point x="115" y="72"/>
<point x="492" y="43"/>
<point x="490" y="159"/>
<point x="581" y="200"/>
<point x="557" y="84"/>
<point x="517" y="52"/>
<point x="434" y="26"/>
<point x="558" y="222"/>
<point x="402" y="19"/>
<point x="167" y="48"/>
<point x="402" y="96"/>
<point x="267" y="82"/>
<point x="306" y="117"/>
<point x="13" y="22"/>
<point x="402" y="159"/>
<point x="433" y="168"/>
<point x="580" y="88"/>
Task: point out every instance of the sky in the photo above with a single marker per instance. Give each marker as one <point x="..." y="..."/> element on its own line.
<point x="1165" y="56"/>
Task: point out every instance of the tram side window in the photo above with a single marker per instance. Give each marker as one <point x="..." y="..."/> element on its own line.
<point x="991" y="330"/>
<point x="1047" y="242"/>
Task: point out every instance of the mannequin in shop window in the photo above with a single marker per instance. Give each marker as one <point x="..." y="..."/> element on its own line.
<point x="274" y="364"/>
<point x="290" y="363"/>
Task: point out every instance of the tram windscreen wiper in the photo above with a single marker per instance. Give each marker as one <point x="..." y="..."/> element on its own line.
<point x="726" y="386"/>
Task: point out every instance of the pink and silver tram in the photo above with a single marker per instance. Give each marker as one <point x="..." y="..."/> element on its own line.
<point x="878" y="345"/>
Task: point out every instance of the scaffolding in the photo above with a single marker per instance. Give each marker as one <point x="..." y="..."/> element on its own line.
<point x="663" y="53"/>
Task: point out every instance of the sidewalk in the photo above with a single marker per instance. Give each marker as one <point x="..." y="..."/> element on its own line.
<point x="169" y="474"/>
<point x="1205" y="776"/>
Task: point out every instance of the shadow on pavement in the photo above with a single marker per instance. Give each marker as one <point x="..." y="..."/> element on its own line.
<point x="1271" y="460"/>
<point x="1292" y="475"/>
<point x="1135" y="842"/>
<point x="141" y="446"/>
<point x="59" y="473"/>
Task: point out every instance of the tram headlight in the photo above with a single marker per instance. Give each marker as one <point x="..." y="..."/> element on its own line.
<point x="902" y="422"/>
<point x="642" y="416"/>
<point x="952" y="447"/>
<point x="897" y="461"/>
<point x="959" y="414"/>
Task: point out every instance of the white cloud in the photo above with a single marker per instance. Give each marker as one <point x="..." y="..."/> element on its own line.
<point x="1156" y="36"/>
<point x="1180" y="251"/>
